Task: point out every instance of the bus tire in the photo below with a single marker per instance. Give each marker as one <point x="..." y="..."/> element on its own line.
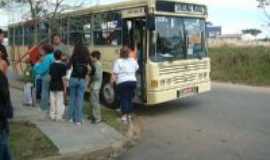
<point x="108" y="96"/>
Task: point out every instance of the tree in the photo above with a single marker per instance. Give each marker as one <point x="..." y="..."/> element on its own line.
<point x="41" y="9"/>
<point x="264" y="5"/>
<point x="254" y="32"/>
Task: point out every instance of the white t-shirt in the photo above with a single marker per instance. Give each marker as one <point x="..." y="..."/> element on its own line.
<point x="125" y="70"/>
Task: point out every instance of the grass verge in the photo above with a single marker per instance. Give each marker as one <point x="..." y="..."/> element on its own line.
<point x="245" y="65"/>
<point x="28" y="142"/>
<point x="109" y="116"/>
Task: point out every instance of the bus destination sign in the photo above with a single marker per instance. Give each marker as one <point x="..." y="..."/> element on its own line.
<point x="190" y="8"/>
<point x="166" y="6"/>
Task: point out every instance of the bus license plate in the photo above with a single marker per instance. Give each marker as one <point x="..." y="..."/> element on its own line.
<point x="188" y="91"/>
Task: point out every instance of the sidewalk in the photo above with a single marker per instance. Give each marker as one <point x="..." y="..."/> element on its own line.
<point x="69" y="139"/>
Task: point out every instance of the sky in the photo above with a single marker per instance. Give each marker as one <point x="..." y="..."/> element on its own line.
<point x="232" y="15"/>
<point x="235" y="15"/>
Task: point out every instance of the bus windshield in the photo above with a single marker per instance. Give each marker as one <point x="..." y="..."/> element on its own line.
<point x="178" y="38"/>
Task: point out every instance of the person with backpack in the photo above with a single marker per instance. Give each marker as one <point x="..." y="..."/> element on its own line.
<point x="6" y="112"/>
<point x="81" y="66"/>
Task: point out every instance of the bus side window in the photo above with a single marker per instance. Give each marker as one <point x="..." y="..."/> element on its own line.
<point x="107" y="29"/>
<point x="80" y="29"/>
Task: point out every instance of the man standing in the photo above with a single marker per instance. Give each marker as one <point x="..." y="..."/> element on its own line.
<point x="3" y="49"/>
<point x="59" y="45"/>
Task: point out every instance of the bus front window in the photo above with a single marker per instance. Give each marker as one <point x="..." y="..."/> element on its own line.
<point x="195" y="38"/>
<point x="178" y="38"/>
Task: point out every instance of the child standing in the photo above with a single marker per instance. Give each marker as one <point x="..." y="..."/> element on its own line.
<point x="57" y="72"/>
<point x="95" y="87"/>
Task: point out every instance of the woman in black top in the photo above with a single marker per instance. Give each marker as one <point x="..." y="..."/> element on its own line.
<point x="80" y="63"/>
<point x="6" y="112"/>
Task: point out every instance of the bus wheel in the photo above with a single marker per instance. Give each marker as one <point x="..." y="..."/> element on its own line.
<point x="108" y="96"/>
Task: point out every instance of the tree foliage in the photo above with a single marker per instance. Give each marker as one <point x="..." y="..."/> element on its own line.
<point x="37" y="8"/>
<point x="264" y="5"/>
<point x="45" y="9"/>
<point x="253" y="31"/>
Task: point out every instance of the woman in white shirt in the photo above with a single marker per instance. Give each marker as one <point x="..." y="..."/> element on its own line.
<point x="124" y="74"/>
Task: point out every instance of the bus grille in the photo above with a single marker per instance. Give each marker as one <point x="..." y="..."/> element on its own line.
<point x="165" y="70"/>
<point x="185" y="78"/>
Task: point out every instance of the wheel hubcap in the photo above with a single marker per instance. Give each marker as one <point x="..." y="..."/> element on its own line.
<point x="108" y="93"/>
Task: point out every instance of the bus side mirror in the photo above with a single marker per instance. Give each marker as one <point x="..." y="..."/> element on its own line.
<point x="150" y="24"/>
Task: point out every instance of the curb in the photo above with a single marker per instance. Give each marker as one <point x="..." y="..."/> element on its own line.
<point x="102" y="154"/>
<point x="132" y="137"/>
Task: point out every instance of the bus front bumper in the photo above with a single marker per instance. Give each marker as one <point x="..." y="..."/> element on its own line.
<point x="158" y="97"/>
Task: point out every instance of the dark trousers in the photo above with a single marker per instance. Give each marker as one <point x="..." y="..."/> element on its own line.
<point x="38" y="88"/>
<point x="4" y="149"/>
<point x="126" y="93"/>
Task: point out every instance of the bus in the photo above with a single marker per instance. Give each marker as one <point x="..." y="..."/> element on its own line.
<point x="170" y="36"/>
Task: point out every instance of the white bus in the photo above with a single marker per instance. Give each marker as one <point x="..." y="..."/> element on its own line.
<point x="169" y="34"/>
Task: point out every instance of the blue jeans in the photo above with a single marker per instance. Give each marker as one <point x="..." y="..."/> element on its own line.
<point x="77" y="89"/>
<point x="45" y="94"/>
<point x="4" y="149"/>
<point x="126" y="91"/>
<point x="38" y="85"/>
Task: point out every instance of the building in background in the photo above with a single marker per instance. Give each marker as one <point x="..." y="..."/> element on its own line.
<point x="213" y="31"/>
<point x="230" y="37"/>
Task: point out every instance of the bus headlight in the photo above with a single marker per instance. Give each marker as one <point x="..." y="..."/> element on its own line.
<point x="169" y="82"/>
<point x="162" y="83"/>
<point x="154" y="83"/>
<point x="203" y="75"/>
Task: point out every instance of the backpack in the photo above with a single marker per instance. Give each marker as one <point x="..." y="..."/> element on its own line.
<point x="80" y="70"/>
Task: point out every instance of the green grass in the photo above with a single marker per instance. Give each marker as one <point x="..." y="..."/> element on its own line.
<point x="245" y="65"/>
<point x="28" y="143"/>
<point x="109" y="116"/>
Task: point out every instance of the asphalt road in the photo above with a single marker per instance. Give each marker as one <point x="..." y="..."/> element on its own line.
<point x="229" y="123"/>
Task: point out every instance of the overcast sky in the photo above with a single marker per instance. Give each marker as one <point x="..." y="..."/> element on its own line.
<point x="232" y="15"/>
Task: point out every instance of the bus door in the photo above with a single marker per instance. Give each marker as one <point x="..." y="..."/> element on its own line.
<point x="134" y="36"/>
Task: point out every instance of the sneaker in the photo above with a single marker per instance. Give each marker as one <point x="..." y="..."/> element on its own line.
<point x="130" y="118"/>
<point x="124" y="119"/>
<point x="78" y="124"/>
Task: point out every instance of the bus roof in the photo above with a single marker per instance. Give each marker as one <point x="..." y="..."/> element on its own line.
<point x="116" y="6"/>
<point x="124" y="5"/>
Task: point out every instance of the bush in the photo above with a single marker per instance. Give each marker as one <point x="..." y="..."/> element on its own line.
<point x="248" y="65"/>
